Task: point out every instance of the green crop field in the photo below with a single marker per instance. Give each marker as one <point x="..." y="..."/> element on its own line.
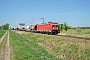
<point x="2" y="32"/>
<point x="33" y="46"/>
<point x="74" y="32"/>
<point x="84" y="31"/>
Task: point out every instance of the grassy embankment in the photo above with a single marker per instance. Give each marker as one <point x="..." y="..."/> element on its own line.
<point x="41" y="47"/>
<point x="3" y="46"/>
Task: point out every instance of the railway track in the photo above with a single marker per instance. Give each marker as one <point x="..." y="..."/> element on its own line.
<point x="83" y="38"/>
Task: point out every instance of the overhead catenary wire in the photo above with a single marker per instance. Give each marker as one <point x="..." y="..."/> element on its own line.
<point x="78" y="7"/>
<point x="75" y="6"/>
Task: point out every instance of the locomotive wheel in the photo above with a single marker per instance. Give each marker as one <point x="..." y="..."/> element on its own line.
<point x="48" y="33"/>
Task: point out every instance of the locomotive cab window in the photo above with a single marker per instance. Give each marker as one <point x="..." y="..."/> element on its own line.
<point x="54" y="25"/>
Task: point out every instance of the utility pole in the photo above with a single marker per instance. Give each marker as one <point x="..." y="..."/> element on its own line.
<point x="43" y="20"/>
<point x="31" y="22"/>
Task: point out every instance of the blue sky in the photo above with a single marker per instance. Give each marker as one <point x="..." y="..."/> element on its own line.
<point x="74" y="12"/>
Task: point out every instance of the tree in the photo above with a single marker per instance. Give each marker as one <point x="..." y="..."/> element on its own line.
<point x="61" y="27"/>
<point x="5" y="26"/>
<point x="0" y="27"/>
<point x="69" y="27"/>
<point x="65" y="26"/>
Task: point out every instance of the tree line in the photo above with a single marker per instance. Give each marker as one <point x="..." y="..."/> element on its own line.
<point x="65" y="27"/>
<point x="5" y="26"/>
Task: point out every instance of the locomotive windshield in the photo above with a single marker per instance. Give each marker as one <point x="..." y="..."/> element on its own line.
<point x="54" y="25"/>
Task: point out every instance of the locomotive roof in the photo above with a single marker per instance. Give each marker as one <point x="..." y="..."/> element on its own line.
<point x="53" y="22"/>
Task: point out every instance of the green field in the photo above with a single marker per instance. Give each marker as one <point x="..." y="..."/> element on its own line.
<point x="84" y="31"/>
<point x="40" y="47"/>
<point x="2" y="32"/>
<point x="74" y="32"/>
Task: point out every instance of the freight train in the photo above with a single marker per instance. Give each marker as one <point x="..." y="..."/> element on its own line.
<point x="51" y="28"/>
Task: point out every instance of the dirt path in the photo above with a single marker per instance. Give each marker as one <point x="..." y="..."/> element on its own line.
<point x="1" y="39"/>
<point x="7" y="50"/>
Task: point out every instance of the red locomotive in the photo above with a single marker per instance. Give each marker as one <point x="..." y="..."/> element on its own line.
<point x="49" y="28"/>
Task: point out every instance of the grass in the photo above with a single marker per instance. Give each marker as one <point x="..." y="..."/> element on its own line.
<point x="24" y="49"/>
<point x="65" y="49"/>
<point x="42" y="47"/>
<point x="2" y="32"/>
<point x="74" y="32"/>
<point x="2" y="48"/>
<point x="84" y="31"/>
